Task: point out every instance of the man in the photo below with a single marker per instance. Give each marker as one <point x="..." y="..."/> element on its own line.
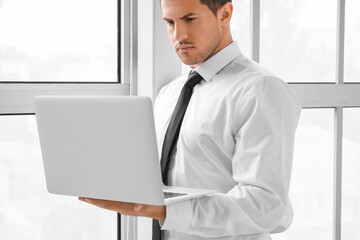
<point x="236" y="136"/>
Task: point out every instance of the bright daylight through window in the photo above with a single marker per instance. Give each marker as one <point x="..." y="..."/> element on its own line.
<point x="77" y="41"/>
<point x="60" y="40"/>
<point x="49" y="41"/>
<point x="300" y="46"/>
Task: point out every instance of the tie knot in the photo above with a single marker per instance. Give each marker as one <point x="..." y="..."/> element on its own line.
<point x="193" y="79"/>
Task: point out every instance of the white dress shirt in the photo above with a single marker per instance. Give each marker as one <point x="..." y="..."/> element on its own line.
<point x="237" y="136"/>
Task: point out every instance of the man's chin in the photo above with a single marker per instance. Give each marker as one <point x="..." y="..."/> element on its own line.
<point x="189" y="62"/>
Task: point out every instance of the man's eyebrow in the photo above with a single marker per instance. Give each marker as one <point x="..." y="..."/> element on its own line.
<point x="188" y="15"/>
<point x="182" y="18"/>
<point x="166" y="19"/>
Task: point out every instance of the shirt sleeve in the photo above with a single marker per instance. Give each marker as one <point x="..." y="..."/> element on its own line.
<point x="267" y="116"/>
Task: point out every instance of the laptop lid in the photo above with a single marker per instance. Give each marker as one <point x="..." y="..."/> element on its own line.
<point x="100" y="147"/>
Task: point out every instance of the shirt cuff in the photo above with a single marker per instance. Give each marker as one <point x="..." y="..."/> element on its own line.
<point x="178" y="217"/>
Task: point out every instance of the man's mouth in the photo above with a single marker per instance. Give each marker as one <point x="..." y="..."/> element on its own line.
<point x="185" y="48"/>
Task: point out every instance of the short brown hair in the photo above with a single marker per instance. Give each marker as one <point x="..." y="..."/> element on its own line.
<point x="214" y="5"/>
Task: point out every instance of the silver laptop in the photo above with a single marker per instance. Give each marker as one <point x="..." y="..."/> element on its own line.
<point x="103" y="147"/>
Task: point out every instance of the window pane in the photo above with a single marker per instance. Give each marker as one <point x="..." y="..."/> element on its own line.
<point x="58" y="40"/>
<point x="351" y="175"/>
<point x="311" y="190"/>
<point x="27" y="210"/>
<point x="352" y="39"/>
<point x="298" y="39"/>
<point x="240" y="25"/>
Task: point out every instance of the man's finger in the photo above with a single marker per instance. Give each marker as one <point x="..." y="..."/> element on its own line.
<point x="137" y="207"/>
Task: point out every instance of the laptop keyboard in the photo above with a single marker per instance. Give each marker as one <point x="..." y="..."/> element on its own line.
<point x="172" y="194"/>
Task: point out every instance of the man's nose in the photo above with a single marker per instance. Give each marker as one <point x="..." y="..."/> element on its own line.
<point x="180" y="33"/>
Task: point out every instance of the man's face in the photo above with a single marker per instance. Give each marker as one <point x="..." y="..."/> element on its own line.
<point x="194" y="30"/>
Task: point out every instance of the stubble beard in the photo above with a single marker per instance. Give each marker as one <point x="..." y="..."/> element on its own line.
<point x="202" y="55"/>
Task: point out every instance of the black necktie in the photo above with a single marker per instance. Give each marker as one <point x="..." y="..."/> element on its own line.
<point x="172" y="134"/>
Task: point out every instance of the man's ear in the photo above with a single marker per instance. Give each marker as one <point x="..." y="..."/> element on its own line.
<point x="225" y="14"/>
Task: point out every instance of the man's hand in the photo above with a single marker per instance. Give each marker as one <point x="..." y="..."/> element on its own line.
<point x="130" y="209"/>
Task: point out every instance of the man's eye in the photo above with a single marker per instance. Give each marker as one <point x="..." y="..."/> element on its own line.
<point x="170" y="22"/>
<point x="190" y="19"/>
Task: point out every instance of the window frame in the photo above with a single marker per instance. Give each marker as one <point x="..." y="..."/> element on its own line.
<point x="137" y="28"/>
<point x="337" y="95"/>
<point x="16" y="97"/>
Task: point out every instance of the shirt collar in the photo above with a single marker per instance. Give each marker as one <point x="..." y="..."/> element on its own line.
<point x="217" y="62"/>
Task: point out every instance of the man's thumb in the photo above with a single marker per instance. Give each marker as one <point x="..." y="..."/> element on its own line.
<point x="138" y="207"/>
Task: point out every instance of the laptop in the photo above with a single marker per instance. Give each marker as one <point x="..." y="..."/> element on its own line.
<point x="103" y="147"/>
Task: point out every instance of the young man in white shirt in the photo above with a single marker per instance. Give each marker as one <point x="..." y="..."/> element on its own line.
<point x="237" y="134"/>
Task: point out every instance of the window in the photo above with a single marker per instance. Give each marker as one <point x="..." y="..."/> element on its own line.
<point x="352" y="37"/>
<point x="290" y="28"/>
<point x="55" y="47"/>
<point x="240" y="25"/>
<point x="318" y="56"/>
<point x="312" y="178"/>
<point x="314" y="45"/>
<point x="67" y="40"/>
<point x="351" y="176"/>
<point x="27" y="210"/>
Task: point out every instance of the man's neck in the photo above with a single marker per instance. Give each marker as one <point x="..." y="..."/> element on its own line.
<point x="218" y="49"/>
